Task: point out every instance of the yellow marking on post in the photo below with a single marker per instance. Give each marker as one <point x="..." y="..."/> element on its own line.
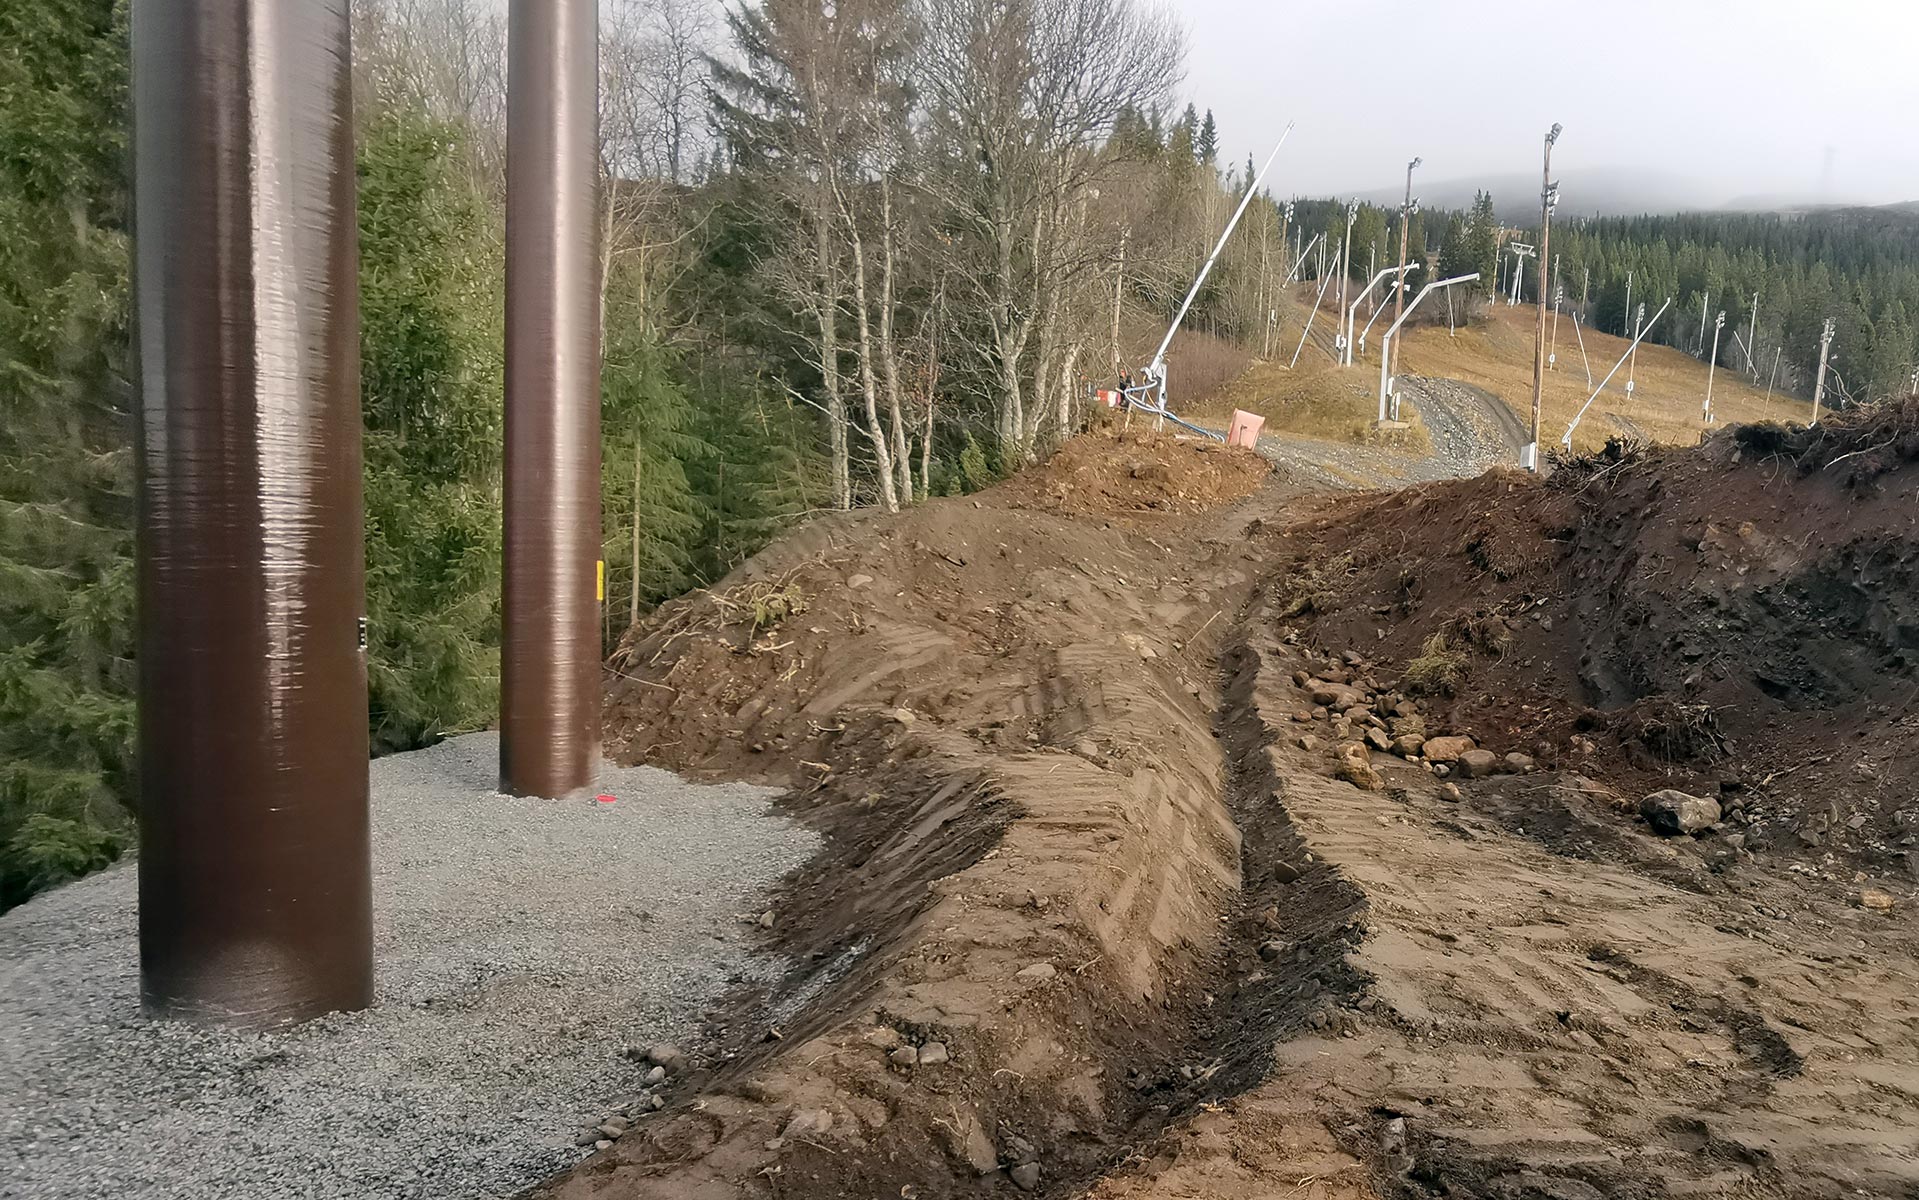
<point x="602" y="584"/>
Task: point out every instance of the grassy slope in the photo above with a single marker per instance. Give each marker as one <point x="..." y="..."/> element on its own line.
<point x="1319" y="401"/>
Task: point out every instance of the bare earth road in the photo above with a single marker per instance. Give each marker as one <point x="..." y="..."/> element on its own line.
<point x="1123" y="897"/>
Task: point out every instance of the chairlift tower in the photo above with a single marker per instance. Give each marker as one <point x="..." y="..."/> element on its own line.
<point x="1521" y="252"/>
<point x="1712" y="364"/>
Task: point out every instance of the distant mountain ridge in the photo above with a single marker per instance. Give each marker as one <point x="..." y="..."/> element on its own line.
<point x="1606" y="193"/>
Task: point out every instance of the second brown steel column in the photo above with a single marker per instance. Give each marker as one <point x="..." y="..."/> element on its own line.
<point x="550" y="642"/>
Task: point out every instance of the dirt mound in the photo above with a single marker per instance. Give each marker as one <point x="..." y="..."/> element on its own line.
<point x="999" y="716"/>
<point x="1129" y="474"/>
<point x="1737" y="620"/>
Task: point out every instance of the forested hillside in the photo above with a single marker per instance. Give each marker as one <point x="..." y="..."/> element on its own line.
<point x="855" y="254"/>
<point x="1859" y="267"/>
<point x="852" y="256"/>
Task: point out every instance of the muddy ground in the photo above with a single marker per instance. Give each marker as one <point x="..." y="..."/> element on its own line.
<point x="1142" y="881"/>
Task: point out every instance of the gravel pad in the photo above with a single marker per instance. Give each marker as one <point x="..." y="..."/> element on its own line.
<point x="522" y="946"/>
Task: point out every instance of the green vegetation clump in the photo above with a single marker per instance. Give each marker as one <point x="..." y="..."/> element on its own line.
<point x="1439" y="669"/>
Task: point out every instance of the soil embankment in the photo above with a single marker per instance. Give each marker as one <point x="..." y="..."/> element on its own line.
<point x="1191" y="836"/>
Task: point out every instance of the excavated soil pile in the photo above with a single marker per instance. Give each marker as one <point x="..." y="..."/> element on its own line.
<point x="1135" y="474"/>
<point x="1737" y="621"/>
<point x="1001" y="954"/>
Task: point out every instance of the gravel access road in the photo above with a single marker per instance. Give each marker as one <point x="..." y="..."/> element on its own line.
<point x="522" y="947"/>
<point x="1471" y="429"/>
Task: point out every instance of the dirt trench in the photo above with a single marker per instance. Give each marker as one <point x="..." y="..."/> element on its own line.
<point x="1104" y="914"/>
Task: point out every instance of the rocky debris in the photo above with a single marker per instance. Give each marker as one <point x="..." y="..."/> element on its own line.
<point x="969" y="1144"/>
<point x="1335" y="696"/>
<point x="1449" y="791"/>
<point x="665" y="1054"/>
<point x="1025" y="1176"/>
<point x="884" y="1037"/>
<point x="1285" y="872"/>
<point x="904" y="716"/>
<point x="1875" y="898"/>
<point x="1308" y="743"/>
<point x="1274" y="951"/>
<point x="767" y="919"/>
<point x="1039" y="972"/>
<point x="1519" y="764"/>
<point x="1355" y="766"/>
<point x="654" y="1077"/>
<point x="1377" y="739"/>
<point x="932" y="1054"/>
<point x="612" y="1132"/>
<point x="1672" y="812"/>
<point x="1478" y="764"/>
<point x="1447" y="749"/>
<point x="1408" y="745"/>
<point x="858" y="581"/>
<point x="905" y="1056"/>
<point x="807" y="1122"/>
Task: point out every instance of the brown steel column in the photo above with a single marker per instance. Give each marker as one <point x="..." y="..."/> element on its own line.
<point x="550" y="647"/>
<point x="255" y="895"/>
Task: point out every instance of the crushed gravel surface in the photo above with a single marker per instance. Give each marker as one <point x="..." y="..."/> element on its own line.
<point x="1471" y="430"/>
<point x="522" y="946"/>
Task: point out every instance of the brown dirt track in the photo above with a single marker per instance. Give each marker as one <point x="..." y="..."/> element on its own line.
<point x="1086" y="834"/>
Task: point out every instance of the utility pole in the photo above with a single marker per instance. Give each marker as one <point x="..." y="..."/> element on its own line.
<point x="1752" y="340"/>
<point x="1712" y="365"/>
<point x="1705" y="304"/>
<point x="1119" y="285"/>
<point x="1774" y="378"/>
<point x="1586" y="293"/>
<point x="1552" y="350"/>
<point x="1632" y="371"/>
<point x="1405" y="235"/>
<point x="1346" y="264"/>
<point x="1819" y="384"/>
<point x="1548" y="200"/>
<point x="1625" y="320"/>
<point x="1285" y="222"/>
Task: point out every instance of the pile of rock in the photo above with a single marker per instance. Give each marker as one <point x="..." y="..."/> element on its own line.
<point x="658" y="1062"/>
<point x="1364" y="719"/>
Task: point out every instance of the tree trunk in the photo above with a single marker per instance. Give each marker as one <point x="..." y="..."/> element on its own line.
<point x="869" y="379"/>
<point x="889" y="353"/>
<point x="827" y="309"/>
<point x="633" y="606"/>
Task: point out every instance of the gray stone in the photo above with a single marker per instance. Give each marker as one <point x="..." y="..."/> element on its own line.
<point x="905" y="1056"/>
<point x="664" y="1054"/>
<point x="1519" y="764"/>
<point x="806" y="1122"/>
<point x="1039" y="972"/>
<point x="1477" y="764"/>
<point x="1025" y="1176"/>
<point x="932" y="1054"/>
<point x="1447" y="749"/>
<point x="1673" y="813"/>
<point x="655" y="1077"/>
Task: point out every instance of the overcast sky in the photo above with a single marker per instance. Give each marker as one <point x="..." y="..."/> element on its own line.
<point x="1736" y="99"/>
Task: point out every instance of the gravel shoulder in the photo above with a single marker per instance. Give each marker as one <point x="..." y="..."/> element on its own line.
<point x="522" y="947"/>
<point x="1471" y="429"/>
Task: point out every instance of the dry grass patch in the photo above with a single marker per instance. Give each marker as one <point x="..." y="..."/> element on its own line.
<point x="1668" y="389"/>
